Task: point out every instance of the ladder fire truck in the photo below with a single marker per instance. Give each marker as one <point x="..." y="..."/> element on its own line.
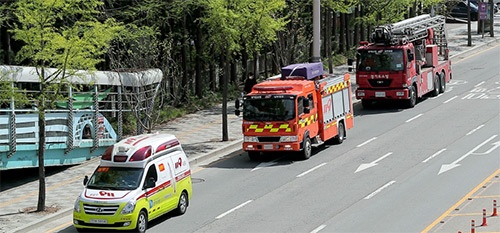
<point x="293" y="112"/>
<point x="403" y="61"/>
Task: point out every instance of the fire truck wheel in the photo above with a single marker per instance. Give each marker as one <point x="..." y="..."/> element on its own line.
<point x="437" y="85"/>
<point x="142" y="222"/>
<point x="254" y="155"/>
<point x="183" y="204"/>
<point x="341" y="136"/>
<point x="413" y="97"/>
<point x="442" y="87"/>
<point x="307" y="148"/>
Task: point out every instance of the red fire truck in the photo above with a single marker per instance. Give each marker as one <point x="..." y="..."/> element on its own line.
<point x="301" y="109"/>
<point x="403" y="61"/>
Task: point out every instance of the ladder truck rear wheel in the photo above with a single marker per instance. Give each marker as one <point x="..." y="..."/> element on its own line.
<point x="442" y="86"/>
<point x="307" y="148"/>
<point x="437" y="85"/>
<point x="412" y="101"/>
<point x="341" y="135"/>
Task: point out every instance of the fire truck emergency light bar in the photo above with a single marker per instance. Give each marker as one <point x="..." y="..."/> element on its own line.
<point x="306" y="70"/>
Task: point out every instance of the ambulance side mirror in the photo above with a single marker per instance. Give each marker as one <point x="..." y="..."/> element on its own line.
<point x="85" y="180"/>
<point x="411" y="56"/>
<point x="237" y="112"/>
<point x="150" y="183"/>
<point x="237" y="103"/>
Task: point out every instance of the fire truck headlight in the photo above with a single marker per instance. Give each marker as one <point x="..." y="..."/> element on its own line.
<point x="405" y="85"/>
<point x="289" y="138"/>
<point x="76" y="208"/>
<point x="129" y="207"/>
<point x="361" y="93"/>
<point x="250" y="139"/>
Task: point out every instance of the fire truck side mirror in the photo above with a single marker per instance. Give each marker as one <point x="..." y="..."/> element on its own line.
<point x="446" y="54"/>
<point x="350" y="61"/>
<point x="411" y="56"/>
<point x="85" y="180"/>
<point x="237" y="103"/>
<point x="237" y="112"/>
<point x="306" y="103"/>
<point x="307" y="110"/>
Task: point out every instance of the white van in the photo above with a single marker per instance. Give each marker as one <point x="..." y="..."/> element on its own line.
<point x="138" y="179"/>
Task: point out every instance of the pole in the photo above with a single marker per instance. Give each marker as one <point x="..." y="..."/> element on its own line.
<point x="469" y="36"/>
<point x="316" y="56"/>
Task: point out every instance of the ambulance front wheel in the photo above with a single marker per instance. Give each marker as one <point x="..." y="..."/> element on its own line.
<point x="183" y="203"/>
<point x="307" y="148"/>
<point x="142" y="222"/>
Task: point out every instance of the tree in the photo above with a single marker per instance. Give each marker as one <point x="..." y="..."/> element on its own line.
<point x="65" y="35"/>
<point x="236" y="24"/>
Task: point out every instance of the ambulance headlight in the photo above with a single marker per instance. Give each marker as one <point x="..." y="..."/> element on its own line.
<point x="76" y="208"/>
<point x="288" y="138"/>
<point x="250" y="139"/>
<point x="129" y="207"/>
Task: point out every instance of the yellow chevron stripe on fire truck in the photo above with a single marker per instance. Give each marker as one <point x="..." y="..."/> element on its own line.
<point x="305" y="122"/>
<point x="336" y="87"/>
<point x="270" y="128"/>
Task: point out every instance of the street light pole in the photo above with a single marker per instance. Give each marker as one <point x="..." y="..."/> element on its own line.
<point x="316" y="56"/>
<point x="469" y="36"/>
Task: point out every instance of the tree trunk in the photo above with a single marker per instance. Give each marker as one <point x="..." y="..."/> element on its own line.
<point x="225" y="78"/>
<point x="198" y="64"/>
<point x="342" y="34"/>
<point x="41" y="153"/>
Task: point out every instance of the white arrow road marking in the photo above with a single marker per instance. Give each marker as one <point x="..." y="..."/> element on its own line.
<point x="454" y="164"/>
<point x="310" y="170"/>
<point x="265" y="164"/>
<point x="364" y="166"/>
<point x="495" y="145"/>
<point x="233" y="209"/>
<point x="379" y="189"/>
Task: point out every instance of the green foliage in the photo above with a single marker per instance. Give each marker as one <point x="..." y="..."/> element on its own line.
<point x="237" y="24"/>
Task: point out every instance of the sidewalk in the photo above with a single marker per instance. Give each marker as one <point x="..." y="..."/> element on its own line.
<point x="201" y="136"/>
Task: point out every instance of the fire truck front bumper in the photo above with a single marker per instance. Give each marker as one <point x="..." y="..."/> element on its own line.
<point x="263" y="147"/>
<point x="382" y="94"/>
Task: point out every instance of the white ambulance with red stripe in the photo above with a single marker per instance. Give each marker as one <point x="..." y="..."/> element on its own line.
<point x="139" y="179"/>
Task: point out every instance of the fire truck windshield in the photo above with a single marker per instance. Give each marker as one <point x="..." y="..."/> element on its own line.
<point x="115" y="178"/>
<point x="380" y="60"/>
<point x="276" y="108"/>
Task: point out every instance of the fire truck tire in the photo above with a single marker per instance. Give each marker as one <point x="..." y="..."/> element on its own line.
<point x="142" y="222"/>
<point x="254" y="155"/>
<point x="442" y="82"/>
<point x="412" y="101"/>
<point x="307" y="148"/>
<point x="341" y="136"/>
<point x="182" y="204"/>
<point x="437" y="85"/>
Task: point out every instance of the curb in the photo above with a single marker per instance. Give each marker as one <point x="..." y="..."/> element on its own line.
<point x="40" y="222"/>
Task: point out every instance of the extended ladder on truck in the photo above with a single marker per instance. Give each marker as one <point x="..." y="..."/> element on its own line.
<point x="412" y="29"/>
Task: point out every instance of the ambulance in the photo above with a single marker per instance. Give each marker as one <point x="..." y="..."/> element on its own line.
<point x="138" y="179"/>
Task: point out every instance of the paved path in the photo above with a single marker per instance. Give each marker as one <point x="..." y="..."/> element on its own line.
<point x="201" y="136"/>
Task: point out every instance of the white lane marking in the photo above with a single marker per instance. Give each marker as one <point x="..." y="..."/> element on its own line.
<point x="380" y="189"/>
<point x="450" y="99"/>
<point x="310" y="170"/>
<point x="434" y="155"/>
<point x="454" y="164"/>
<point x="318" y="229"/>
<point x="474" y="130"/>
<point x="479" y="84"/>
<point x="233" y="209"/>
<point x="364" y="166"/>
<point x="415" y="117"/>
<point x="368" y="141"/>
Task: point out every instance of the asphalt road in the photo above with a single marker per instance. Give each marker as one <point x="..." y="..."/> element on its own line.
<point x="398" y="171"/>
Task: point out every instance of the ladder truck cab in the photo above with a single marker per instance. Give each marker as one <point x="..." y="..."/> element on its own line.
<point x="403" y="61"/>
<point x="292" y="113"/>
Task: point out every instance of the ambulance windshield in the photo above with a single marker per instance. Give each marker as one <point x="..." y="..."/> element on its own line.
<point x="380" y="60"/>
<point x="115" y="178"/>
<point x="269" y="108"/>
